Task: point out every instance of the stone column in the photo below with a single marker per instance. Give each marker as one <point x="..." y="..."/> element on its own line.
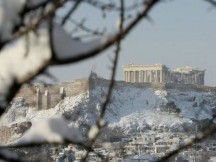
<point x="151" y="76"/>
<point x="203" y="79"/>
<point x="137" y="76"/>
<point x="134" y="79"/>
<point x="199" y="80"/>
<point x="128" y="76"/>
<point x="161" y="76"/>
<point x="61" y="93"/>
<point x="196" y="79"/>
<point x="145" y="78"/>
<point x="140" y="76"/>
<point x="132" y="76"/>
<point x="156" y="76"/>
<point x="46" y="100"/>
<point x="38" y="102"/>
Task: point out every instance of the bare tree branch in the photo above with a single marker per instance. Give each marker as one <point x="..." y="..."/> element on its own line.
<point x="33" y="26"/>
<point x="81" y="56"/>
<point x="99" y="122"/>
<point x="85" y="28"/>
<point x="71" y="11"/>
<point x="211" y="2"/>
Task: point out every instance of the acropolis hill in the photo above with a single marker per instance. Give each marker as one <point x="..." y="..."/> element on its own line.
<point x="45" y="96"/>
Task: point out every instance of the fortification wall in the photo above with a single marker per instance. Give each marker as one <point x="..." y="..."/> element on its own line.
<point x="5" y="134"/>
<point x="45" y="96"/>
<point x="157" y="86"/>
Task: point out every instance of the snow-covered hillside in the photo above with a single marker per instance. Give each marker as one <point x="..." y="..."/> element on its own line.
<point x="131" y="108"/>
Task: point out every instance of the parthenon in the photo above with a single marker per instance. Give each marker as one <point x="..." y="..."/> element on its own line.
<point x="159" y="73"/>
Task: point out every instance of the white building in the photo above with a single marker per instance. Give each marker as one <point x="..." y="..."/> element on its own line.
<point x="159" y="73"/>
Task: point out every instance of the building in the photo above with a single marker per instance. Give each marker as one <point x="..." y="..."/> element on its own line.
<point x="159" y="73"/>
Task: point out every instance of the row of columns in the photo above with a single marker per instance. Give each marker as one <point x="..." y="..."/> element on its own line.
<point x="198" y="79"/>
<point x="43" y="101"/>
<point x="186" y="78"/>
<point x="144" y="76"/>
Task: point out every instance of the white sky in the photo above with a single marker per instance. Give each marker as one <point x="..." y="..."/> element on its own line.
<point x="182" y="33"/>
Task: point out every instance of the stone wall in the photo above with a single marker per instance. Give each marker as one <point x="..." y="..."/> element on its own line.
<point x="5" y="134"/>
<point x="45" y="96"/>
<point x="11" y="133"/>
<point x="157" y="86"/>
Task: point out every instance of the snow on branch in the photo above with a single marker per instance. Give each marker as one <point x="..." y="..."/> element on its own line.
<point x="72" y="48"/>
<point x="45" y="47"/>
<point x="16" y="64"/>
<point x="95" y="129"/>
<point x="8" y="155"/>
<point x="53" y="130"/>
<point x="94" y="47"/>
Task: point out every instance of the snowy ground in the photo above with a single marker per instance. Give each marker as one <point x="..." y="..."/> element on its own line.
<point x="130" y="108"/>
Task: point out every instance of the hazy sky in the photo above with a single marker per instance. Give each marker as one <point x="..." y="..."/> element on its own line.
<point x="183" y="33"/>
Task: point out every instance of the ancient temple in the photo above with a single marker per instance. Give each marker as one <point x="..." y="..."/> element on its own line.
<point x="159" y="73"/>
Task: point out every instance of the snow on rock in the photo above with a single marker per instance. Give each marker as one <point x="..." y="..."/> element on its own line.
<point x="31" y="114"/>
<point x="50" y="130"/>
<point x="15" y="113"/>
<point x="136" y="108"/>
<point x="212" y="159"/>
<point x="194" y="105"/>
<point x="131" y="108"/>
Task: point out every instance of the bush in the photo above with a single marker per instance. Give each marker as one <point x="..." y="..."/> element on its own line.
<point x="172" y="108"/>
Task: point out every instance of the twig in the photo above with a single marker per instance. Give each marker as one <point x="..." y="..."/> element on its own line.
<point x="34" y="25"/>
<point x="111" y="85"/>
<point x="149" y="5"/>
<point x="211" y="2"/>
<point x="68" y="15"/>
<point x="85" y="28"/>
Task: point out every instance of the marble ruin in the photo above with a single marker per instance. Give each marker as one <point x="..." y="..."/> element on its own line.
<point x="159" y="73"/>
